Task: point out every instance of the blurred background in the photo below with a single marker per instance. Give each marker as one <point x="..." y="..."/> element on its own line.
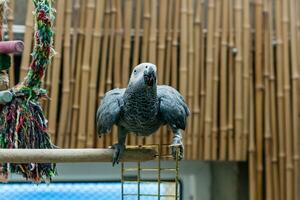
<point x="235" y="62"/>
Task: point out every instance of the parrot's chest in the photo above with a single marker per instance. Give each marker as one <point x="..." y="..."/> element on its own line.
<point x="140" y="117"/>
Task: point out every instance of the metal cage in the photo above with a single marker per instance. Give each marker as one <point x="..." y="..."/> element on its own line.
<point x="157" y="171"/>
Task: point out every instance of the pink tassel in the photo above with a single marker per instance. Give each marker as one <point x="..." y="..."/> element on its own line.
<point x="15" y="46"/>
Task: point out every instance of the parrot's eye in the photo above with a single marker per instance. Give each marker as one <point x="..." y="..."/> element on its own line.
<point x="146" y="67"/>
<point x="134" y="71"/>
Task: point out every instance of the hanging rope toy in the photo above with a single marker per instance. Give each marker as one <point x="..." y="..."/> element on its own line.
<point x="22" y="121"/>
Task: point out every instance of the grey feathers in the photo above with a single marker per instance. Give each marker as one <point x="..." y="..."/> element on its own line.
<point x="143" y="106"/>
<point x="109" y="110"/>
<point x="172" y="108"/>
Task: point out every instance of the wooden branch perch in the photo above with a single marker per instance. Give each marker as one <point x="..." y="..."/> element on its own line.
<point x="72" y="155"/>
<point x="14" y="46"/>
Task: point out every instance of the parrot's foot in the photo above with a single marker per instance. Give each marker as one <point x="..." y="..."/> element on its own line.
<point x="119" y="150"/>
<point x="177" y="146"/>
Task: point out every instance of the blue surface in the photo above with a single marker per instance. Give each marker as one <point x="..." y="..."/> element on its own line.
<point x="76" y="191"/>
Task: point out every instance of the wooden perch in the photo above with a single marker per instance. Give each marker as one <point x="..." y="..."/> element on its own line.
<point x="15" y="46"/>
<point x="72" y="155"/>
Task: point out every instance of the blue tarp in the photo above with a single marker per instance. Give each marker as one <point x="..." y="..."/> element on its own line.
<point x="77" y="191"/>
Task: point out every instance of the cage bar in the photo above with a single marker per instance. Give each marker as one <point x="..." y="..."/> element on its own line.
<point x="156" y="171"/>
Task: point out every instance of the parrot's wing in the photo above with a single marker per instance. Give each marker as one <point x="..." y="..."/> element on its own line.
<point x="109" y="110"/>
<point x="173" y="109"/>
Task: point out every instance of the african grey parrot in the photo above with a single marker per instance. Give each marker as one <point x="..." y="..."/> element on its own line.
<point x="142" y="108"/>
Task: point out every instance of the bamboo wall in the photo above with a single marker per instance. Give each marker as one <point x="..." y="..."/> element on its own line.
<point x="235" y="62"/>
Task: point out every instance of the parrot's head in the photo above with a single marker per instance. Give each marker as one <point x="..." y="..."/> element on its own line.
<point x="143" y="75"/>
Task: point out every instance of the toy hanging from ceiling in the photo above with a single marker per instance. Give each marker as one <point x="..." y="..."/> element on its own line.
<point x="22" y="121"/>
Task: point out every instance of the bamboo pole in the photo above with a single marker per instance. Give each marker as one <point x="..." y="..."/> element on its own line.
<point x="73" y="155"/>
<point x="73" y="35"/>
<point x="216" y="81"/>
<point x="230" y="127"/>
<point x="203" y="34"/>
<point x="174" y="54"/>
<point x="10" y="23"/>
<point x="70" y="139"/>
<point x="136" y="48"/>
<point x="191" y="79"/>
<point x="76" y="23"/>
<point x="273" y="113"/>
<point x="78" y="64"/>
<point x="231" y="85"/>
<point x="67" y="141"/>
<point x="56" y="69"/>
<point x="297" y="139"/>
<point x="297" y="7"/>
<point x="252" y="159"/>
<point x="153" y="30"/>
<point x="103" y="69"/>
<point x="197" y="63"/>
<point x="161" y="49"/>
<point x="96" y="44"/>
<point x="66" y="76"/>
<point x="183" y="48"/>
<point x="223" y="83"/>
<point x="267" y="126"/>
<point x="280" y="102"/>
<point x="238" y="112"/>
<point x="295" y="92"/>
<point x="246" y="82"/>
<point x="27" y="41"/>
<point x="86" y="68"/>
<point x="126" y="52"/>
<point x="113" y="14"/>
<point x="274" y="136"/>
<point x="258" y="96"/>
<point x="287" y="100"/>
<point x="118" y="80"/>
<point x="146" y="31"/>
<point x="209" y="80"/>
<point x="168" y="46"/>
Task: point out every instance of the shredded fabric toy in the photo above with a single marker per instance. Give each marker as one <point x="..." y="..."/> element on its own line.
<point x="22" y="121"/>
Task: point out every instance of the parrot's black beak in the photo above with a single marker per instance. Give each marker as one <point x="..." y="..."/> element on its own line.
<point x="149" y="76"/>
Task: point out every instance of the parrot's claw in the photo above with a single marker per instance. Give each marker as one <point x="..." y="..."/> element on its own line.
<point x="177" y="146"/>
<point x="119" y="150"/>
